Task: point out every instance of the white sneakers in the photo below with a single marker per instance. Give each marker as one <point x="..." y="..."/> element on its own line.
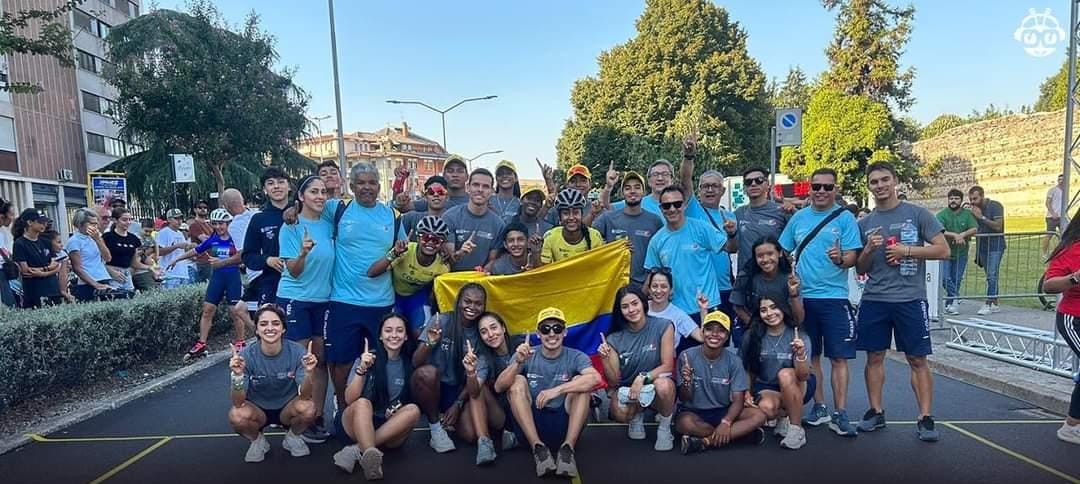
<point x="441" y="441"/>
<point x="347" y="458"/>
<point x="1069" y="433"/>
<point x="795" y="439"/>
<point x="371" y="462"/>
<point x="988" y="309"/>
<point x="636" y="429"/>
<point x="257" y="450"/>
<point x="952" y="309"/>
<point x="295" y="445"/>
<point x="664" y="440"/>
<point x="782" y="427"/>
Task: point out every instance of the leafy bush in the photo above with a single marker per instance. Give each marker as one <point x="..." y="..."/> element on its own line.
<point x="62" y="346"/>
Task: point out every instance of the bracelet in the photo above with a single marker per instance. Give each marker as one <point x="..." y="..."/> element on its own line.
<point x="360" y="372"/>
<point x="909" y="251"/>
<point x="391" y="255"/>
<point x="800" y="358"/>
<point x="239" y="382"/>
<point x="725" y="420"/>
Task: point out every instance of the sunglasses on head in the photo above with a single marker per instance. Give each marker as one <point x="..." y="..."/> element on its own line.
<point x="660" y="270"/>
<point x="546" y="329"/>
<point x="670" y="205"/>
<point x="817" y="187"/>
<point x="756" y="180"/>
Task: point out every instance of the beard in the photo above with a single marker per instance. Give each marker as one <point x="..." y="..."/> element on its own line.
<point x="632" y="203"/>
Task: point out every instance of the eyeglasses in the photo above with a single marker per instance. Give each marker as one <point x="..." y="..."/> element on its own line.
<point x="659" y="174"/>
<point x="756" y="180"/>
<point x="660" y="270"/>
<point x="203" y="207"/>
<point x="431" y="238"/>
<point x="817" y="187"/>
<point x="709" y="186"/>
<point x="669" y="205"/>
<point x="547" y="329"/>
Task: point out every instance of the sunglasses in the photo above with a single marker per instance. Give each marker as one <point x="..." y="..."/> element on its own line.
<point x="435" y="191"/>
<point x="547" y="329"/>
<point x="817" y="187"/>
<point x="660" y="270"/>
<point x="669" y="205"/>
<point x="431" y="238"/>
<point x="756" y="180"/>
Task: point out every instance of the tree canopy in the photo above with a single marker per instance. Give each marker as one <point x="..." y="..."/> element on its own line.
<point x="52" y="38"/>
<point x="189" y="84"/>
<point x="687" y="68"/>
<point x="1053" y="91"/>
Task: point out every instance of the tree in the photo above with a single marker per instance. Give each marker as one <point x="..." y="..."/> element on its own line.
<point x="940" y="125"/>
<point x="1052" y="92"/>
<point x="687" y="68"/>
<point x="52" y="38"/>
<point x="188" y="84"/>
<point x="865" y="52"/>
<point x="794" y="92"/>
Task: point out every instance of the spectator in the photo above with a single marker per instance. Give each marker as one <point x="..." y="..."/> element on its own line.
<point x="60" y="256"/>
<point x="990" y="249"/>
<point x="959" y="226"/>
<point x="122" y="246"/>
<point x="199" y="231"/>
<point x="863" y="212"/>
<point x="144" y="277"/>
<point x="1053" y="213"/>
<point x="233" y="201"/>
<point x="7" y="215"/>
<point x="171" y="245"/>
<point x="34" y="255"/>
<point x="89" y="255"/>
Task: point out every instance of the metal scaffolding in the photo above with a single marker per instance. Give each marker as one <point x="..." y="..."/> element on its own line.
<point x="1028" y="347"/>
<point x="1071" y="141"/>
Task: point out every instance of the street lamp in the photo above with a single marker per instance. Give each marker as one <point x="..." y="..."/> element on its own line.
<point x="442" y="112"/>
<point x="482" y="154"/>
<point x="337" y="88"/>
<point x="318" y="127"/>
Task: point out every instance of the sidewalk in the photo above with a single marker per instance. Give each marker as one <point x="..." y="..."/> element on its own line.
<point x="1044" y="390"/>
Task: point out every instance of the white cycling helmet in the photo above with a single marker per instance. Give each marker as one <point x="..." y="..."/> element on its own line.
<point x="220" y="215"/>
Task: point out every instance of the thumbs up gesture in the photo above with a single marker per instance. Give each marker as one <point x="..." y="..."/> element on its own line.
<point x="470" y="360"/>
<point x="309" y="360"/>
<point x="236" y="363"/>
<point x="367" y="358"/>
<point x="835" y="254"/>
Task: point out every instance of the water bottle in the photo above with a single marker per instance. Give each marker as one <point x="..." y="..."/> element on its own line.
<point x="909" y="236"/>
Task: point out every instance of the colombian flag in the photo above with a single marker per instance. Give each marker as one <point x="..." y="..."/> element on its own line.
<point x="583" y="287"/>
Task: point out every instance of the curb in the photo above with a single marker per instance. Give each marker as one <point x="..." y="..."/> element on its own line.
<point x="91" y="409"/>
<point x="1056" y="402"/>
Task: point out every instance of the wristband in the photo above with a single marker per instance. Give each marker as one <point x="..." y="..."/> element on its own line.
<point x="360" y="372"/>
<point x="800" y="358"/>
<point x="391" y="255"/>
<point x="645" y="377"/>
<point x="726" y="420"/>
<point x="432" y="344"/>
<point x="239" y="382"/>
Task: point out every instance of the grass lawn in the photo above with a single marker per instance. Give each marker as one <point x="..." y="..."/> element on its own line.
<point x="1021" y="267"/>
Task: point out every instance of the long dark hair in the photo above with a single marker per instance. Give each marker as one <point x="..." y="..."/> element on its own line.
<point x="485" y="351"/>
<point x="751" y="344"/>
<point x="298" y="196"/>
<point x="618" y="321"/>
<point x="1068" y="236"/>
<point x="379" y="380"/>
<point x="456" y="327"/>
<point x="18" y="227"/>
<point x="753" y="270"/>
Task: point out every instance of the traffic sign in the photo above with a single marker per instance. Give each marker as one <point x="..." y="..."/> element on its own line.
<point x="788" y="127"/>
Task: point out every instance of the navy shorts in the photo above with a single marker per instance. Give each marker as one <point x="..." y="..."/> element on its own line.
<point x="346" y="328"/>
<point x="448" y="395"/>
<point x="811" y="387"/>
<point x="304" y="320"/>
<point x="378" y="419"/>
<point x="416" y="308"/>
<point x="260" y="291"/>
<point x="224" y="286"/>
<point x="909" y="321"/>
<point x="273" y="416"/>
<point x="551" y="425"/>
<point x="830" y="324"/>
<point x="711" y="416"/>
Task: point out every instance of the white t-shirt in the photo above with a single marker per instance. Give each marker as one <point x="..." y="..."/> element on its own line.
<point x="237" y="231"/>
<point x="6" y="241"/>
<point x="1054" y="196"/>
<point x="166" y="237"/>
<point x="683" y="324"/>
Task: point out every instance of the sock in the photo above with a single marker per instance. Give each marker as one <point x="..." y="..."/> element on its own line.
<point x="665" y="422"/>
<point x="435" y="427"/>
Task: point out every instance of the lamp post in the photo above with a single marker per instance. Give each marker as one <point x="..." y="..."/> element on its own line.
<point x="337" y="89"/>
<point x="482" y="154"/>
<point x="442" y="112"/>
<point x="318" y="128"/>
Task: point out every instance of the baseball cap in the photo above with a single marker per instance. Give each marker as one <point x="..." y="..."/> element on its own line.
<point x="183" y="226"/>
<point x="527" y="191"/>
<point x="174" y="213"/>
<point x="717" y="317"/>
<point x="550" y="313"/>
<point x="505" y="164"/>
<point x="454" y="159"/>
<point x="118" y="200"/>
<point x="633" y="175"/>
<point x="32" y="215"/>
<point x="578" y="169"/>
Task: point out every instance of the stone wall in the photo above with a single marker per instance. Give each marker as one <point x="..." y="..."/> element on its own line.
<point x="1016" y="159"/>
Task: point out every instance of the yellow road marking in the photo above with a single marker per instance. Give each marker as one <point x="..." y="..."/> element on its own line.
<point x="1017" y="455"/>
<point x="135" y="458"/>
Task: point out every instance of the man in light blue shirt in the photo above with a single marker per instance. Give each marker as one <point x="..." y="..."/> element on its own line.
<point x="708" y="209"/>
<point x="686" y="246"/>
<point x="822" y="266"/>
<point x="364" y="234"/>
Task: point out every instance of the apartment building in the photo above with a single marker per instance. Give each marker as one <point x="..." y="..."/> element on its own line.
<point x="49" y="141"/>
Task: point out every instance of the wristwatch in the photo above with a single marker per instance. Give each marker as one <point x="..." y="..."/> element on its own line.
<point x="646" y="377"/>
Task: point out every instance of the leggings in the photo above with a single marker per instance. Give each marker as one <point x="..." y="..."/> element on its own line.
<point x="1069" y="328"/>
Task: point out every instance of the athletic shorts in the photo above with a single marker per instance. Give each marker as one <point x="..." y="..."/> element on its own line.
<point x="224" y="286"/>
<point x="304" y="320"/>
<point x="416" y="308"/>
<point x="908" y="321"/>
<point x="260" y="291"/>
<point x="811" y="386"/>
<point x="551" y="425"/>
<point x="378" y="419"/>
<point x="711" y="416"/>
<point x="273" y="416"/>
<point x="1052" y="224"/>
<point x="830" y="324"/>
<point x="346" y="328"/>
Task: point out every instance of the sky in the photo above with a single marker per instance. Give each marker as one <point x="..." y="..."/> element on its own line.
<point x="530" y="53"/>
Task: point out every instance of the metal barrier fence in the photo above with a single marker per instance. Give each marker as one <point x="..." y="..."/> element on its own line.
<point x="1019" y="273"/>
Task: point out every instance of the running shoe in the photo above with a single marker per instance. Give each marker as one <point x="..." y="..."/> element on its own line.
<point x="259" y="447"/>
<point x="951" y="309"/>
<point x="198" y="350"/>
<point x="755" y="438"/>
<point x="872" y="421"/>
<point x="664" y="440"/>
<point x="567" y="465"/>
<point x="995" y="308"/>
<point x="926" y="431"/>
<point x="509" y="440"/>
<point x="691" y="444"/>
<point x="295" y="445"/>
<point x="795" y="438"/>
<point x="985" y="309"/>
<point x="636" y="429"/>
<point x="782" y="426"/>
<point x="544" y="463"/>
<point x="347" y="458"/>
<point x="818" y="415"/>
<point x="316" y="433"/>
<point x="842" y="425"/>
<point x="1069" y="433"/>
<point x="485" y="451"/>
<point x="371" y="463"/>
<point x="441" y="441"/>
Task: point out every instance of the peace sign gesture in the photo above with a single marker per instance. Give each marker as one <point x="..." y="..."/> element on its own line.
<point x="545" y="170"/>
<point x="612" y="176"/>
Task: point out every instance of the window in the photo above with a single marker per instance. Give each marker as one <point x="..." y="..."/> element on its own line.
<point x="7" y="133"/>
<point x="98" y="104"/>
<point x="106" y="145"/>
<point x="91" y="24"/>
<point x="95" y="142"/>
<point x="133" y="9"/>
<point x="85" y="60"/>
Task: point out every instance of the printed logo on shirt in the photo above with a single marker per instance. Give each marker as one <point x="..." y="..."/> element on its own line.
<point x="269" y="232"/>
<point x="643" y="233"/>
<point x="716" y="380"/>
<point x="534" y="379"/>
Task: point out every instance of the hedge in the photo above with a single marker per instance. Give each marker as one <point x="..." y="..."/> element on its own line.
<point x="48" y="349"/>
